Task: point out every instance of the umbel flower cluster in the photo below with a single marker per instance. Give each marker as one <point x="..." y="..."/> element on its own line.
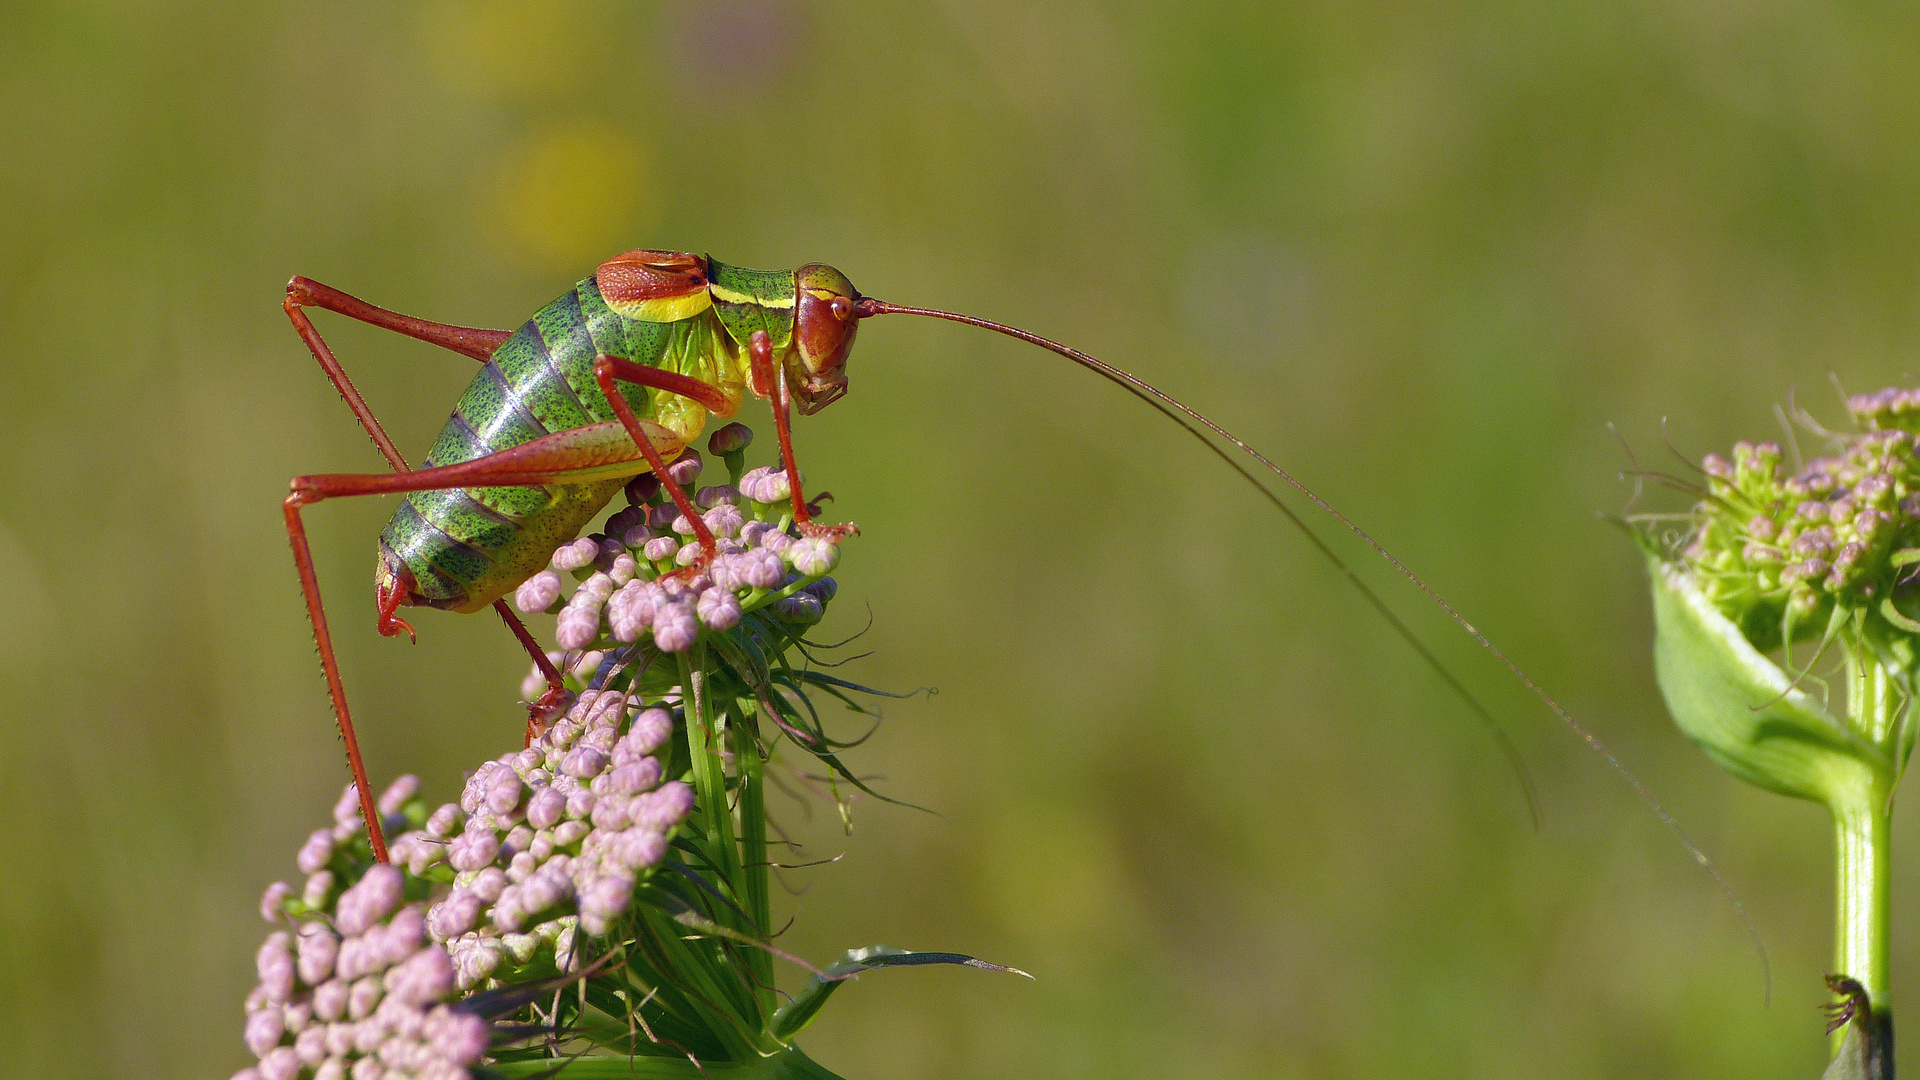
<point x="634" y="578"/>
<point x="352" y="985"/>
<point x="1828" y="552"/>
<point x="1777" y="551"/>
<point x="599" y="899"/>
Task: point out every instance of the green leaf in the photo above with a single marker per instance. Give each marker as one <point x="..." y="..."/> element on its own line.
<point x="788" y="1064"/>
<point x="799" y="1012"/>
<point x="1742" y="709"/>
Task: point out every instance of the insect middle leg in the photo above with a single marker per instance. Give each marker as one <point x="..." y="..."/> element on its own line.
<point x="608" y="370"/>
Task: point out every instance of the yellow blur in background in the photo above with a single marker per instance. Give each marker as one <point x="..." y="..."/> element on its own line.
<point x="1422" y="254"/>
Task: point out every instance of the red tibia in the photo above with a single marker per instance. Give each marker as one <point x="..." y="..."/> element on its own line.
<point x="338" y="377"/>
<point x="650" y="275"/>
<point x="310" y="585"/>
<point x="608" y="369"/>
<point x="760" y="350"/>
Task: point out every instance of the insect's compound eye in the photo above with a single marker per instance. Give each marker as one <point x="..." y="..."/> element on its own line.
<point x="842" y="308"/>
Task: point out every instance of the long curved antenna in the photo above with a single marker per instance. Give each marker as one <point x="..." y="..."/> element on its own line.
<point x="1182" y="413"/>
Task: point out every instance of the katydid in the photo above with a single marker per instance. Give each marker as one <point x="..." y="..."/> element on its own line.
<point x="614" y="379"/>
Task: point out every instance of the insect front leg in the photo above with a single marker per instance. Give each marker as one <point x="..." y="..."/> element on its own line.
<point x="774" y="381"/>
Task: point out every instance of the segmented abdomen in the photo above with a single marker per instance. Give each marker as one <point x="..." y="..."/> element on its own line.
<point x="468" y="547"/>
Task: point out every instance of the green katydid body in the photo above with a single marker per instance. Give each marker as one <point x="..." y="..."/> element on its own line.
<point x="461" y="549"/>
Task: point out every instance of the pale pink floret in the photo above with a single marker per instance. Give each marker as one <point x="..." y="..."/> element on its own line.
<point x="461" y="1038"/>
<point x="330" y="1000"/>
<point x="455" y="915"/>
<point x="719" y="609"/>
<point x="546" y="808"/>
<point x="398" y="795"/>
<point x="274" y="963"/>
<point x="473" y="849"/>
<point x="583" y="763"/>
<point x="317" y="852"/>
<point x="425" y="977"/>
<point x="263" y="1031"/>
<point x="610" y="813"/>
<point x="281" y="1064"/>
<point x="573" y="556"/>
<point x="538" y="592"/>
<point x="813" y="556"/>
<point x="634" y="778"/>
<point x="761" y="569"/>
<point x="640" y="847"/>
<point x="662" y="808"/>
<point x="369" y="900"/>
<point x="318" y="947"/>
<point x="650" y="731"/>
<point x="271" y="900"/>
<point x="503" y="794"/>
<point x="675" y="626"/>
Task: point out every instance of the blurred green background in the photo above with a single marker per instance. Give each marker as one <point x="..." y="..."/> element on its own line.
<point x="1420" y="253"/>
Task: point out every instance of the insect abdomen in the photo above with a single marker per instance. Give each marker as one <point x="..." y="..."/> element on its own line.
<point x="465" y="548"/>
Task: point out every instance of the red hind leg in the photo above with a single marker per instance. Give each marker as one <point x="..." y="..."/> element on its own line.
<point x="304" y="293"/>
<point x="550" y="459"/>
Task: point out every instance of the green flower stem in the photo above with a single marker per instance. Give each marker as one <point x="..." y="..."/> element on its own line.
<point x="1862" y="912"/>
<point x="1862" y="822"/>
<point x="753" y="855"/>
<point x="709" y="778"/>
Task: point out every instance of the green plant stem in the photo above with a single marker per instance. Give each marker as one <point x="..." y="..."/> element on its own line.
<point x="709" y="776"/>
<point x="1862" y="823"/>
<point x="1863" y="910"/>
<point x="753" y="854"/>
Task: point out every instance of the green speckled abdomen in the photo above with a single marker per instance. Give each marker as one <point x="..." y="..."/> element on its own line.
<point x="463" y="549"/>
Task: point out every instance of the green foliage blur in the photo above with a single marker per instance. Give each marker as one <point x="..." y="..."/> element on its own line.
<point x="1422" y="254"/>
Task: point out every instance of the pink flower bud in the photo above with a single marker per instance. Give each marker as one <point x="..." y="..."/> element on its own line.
<point x="263" y="1031"/>
<point x="473" y="849"/>
<point x="330" y="1000"/>
<point x="538" y="592"/>
<point x="545" y="809"/>
<point x="318" y="947"/>
<point x="730" y="439"/>
<point x="675" y="627"/>
<point x="685" y="469"/>
<point x="317" y="851"/>
<point x="274" y="963"/>
<point x="573" y="556"/>
<point x="271" y="900"/>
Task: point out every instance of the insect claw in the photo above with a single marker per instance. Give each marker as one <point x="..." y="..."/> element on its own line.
<point x="833" y="534"/>
<point x="542" y="713"/>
